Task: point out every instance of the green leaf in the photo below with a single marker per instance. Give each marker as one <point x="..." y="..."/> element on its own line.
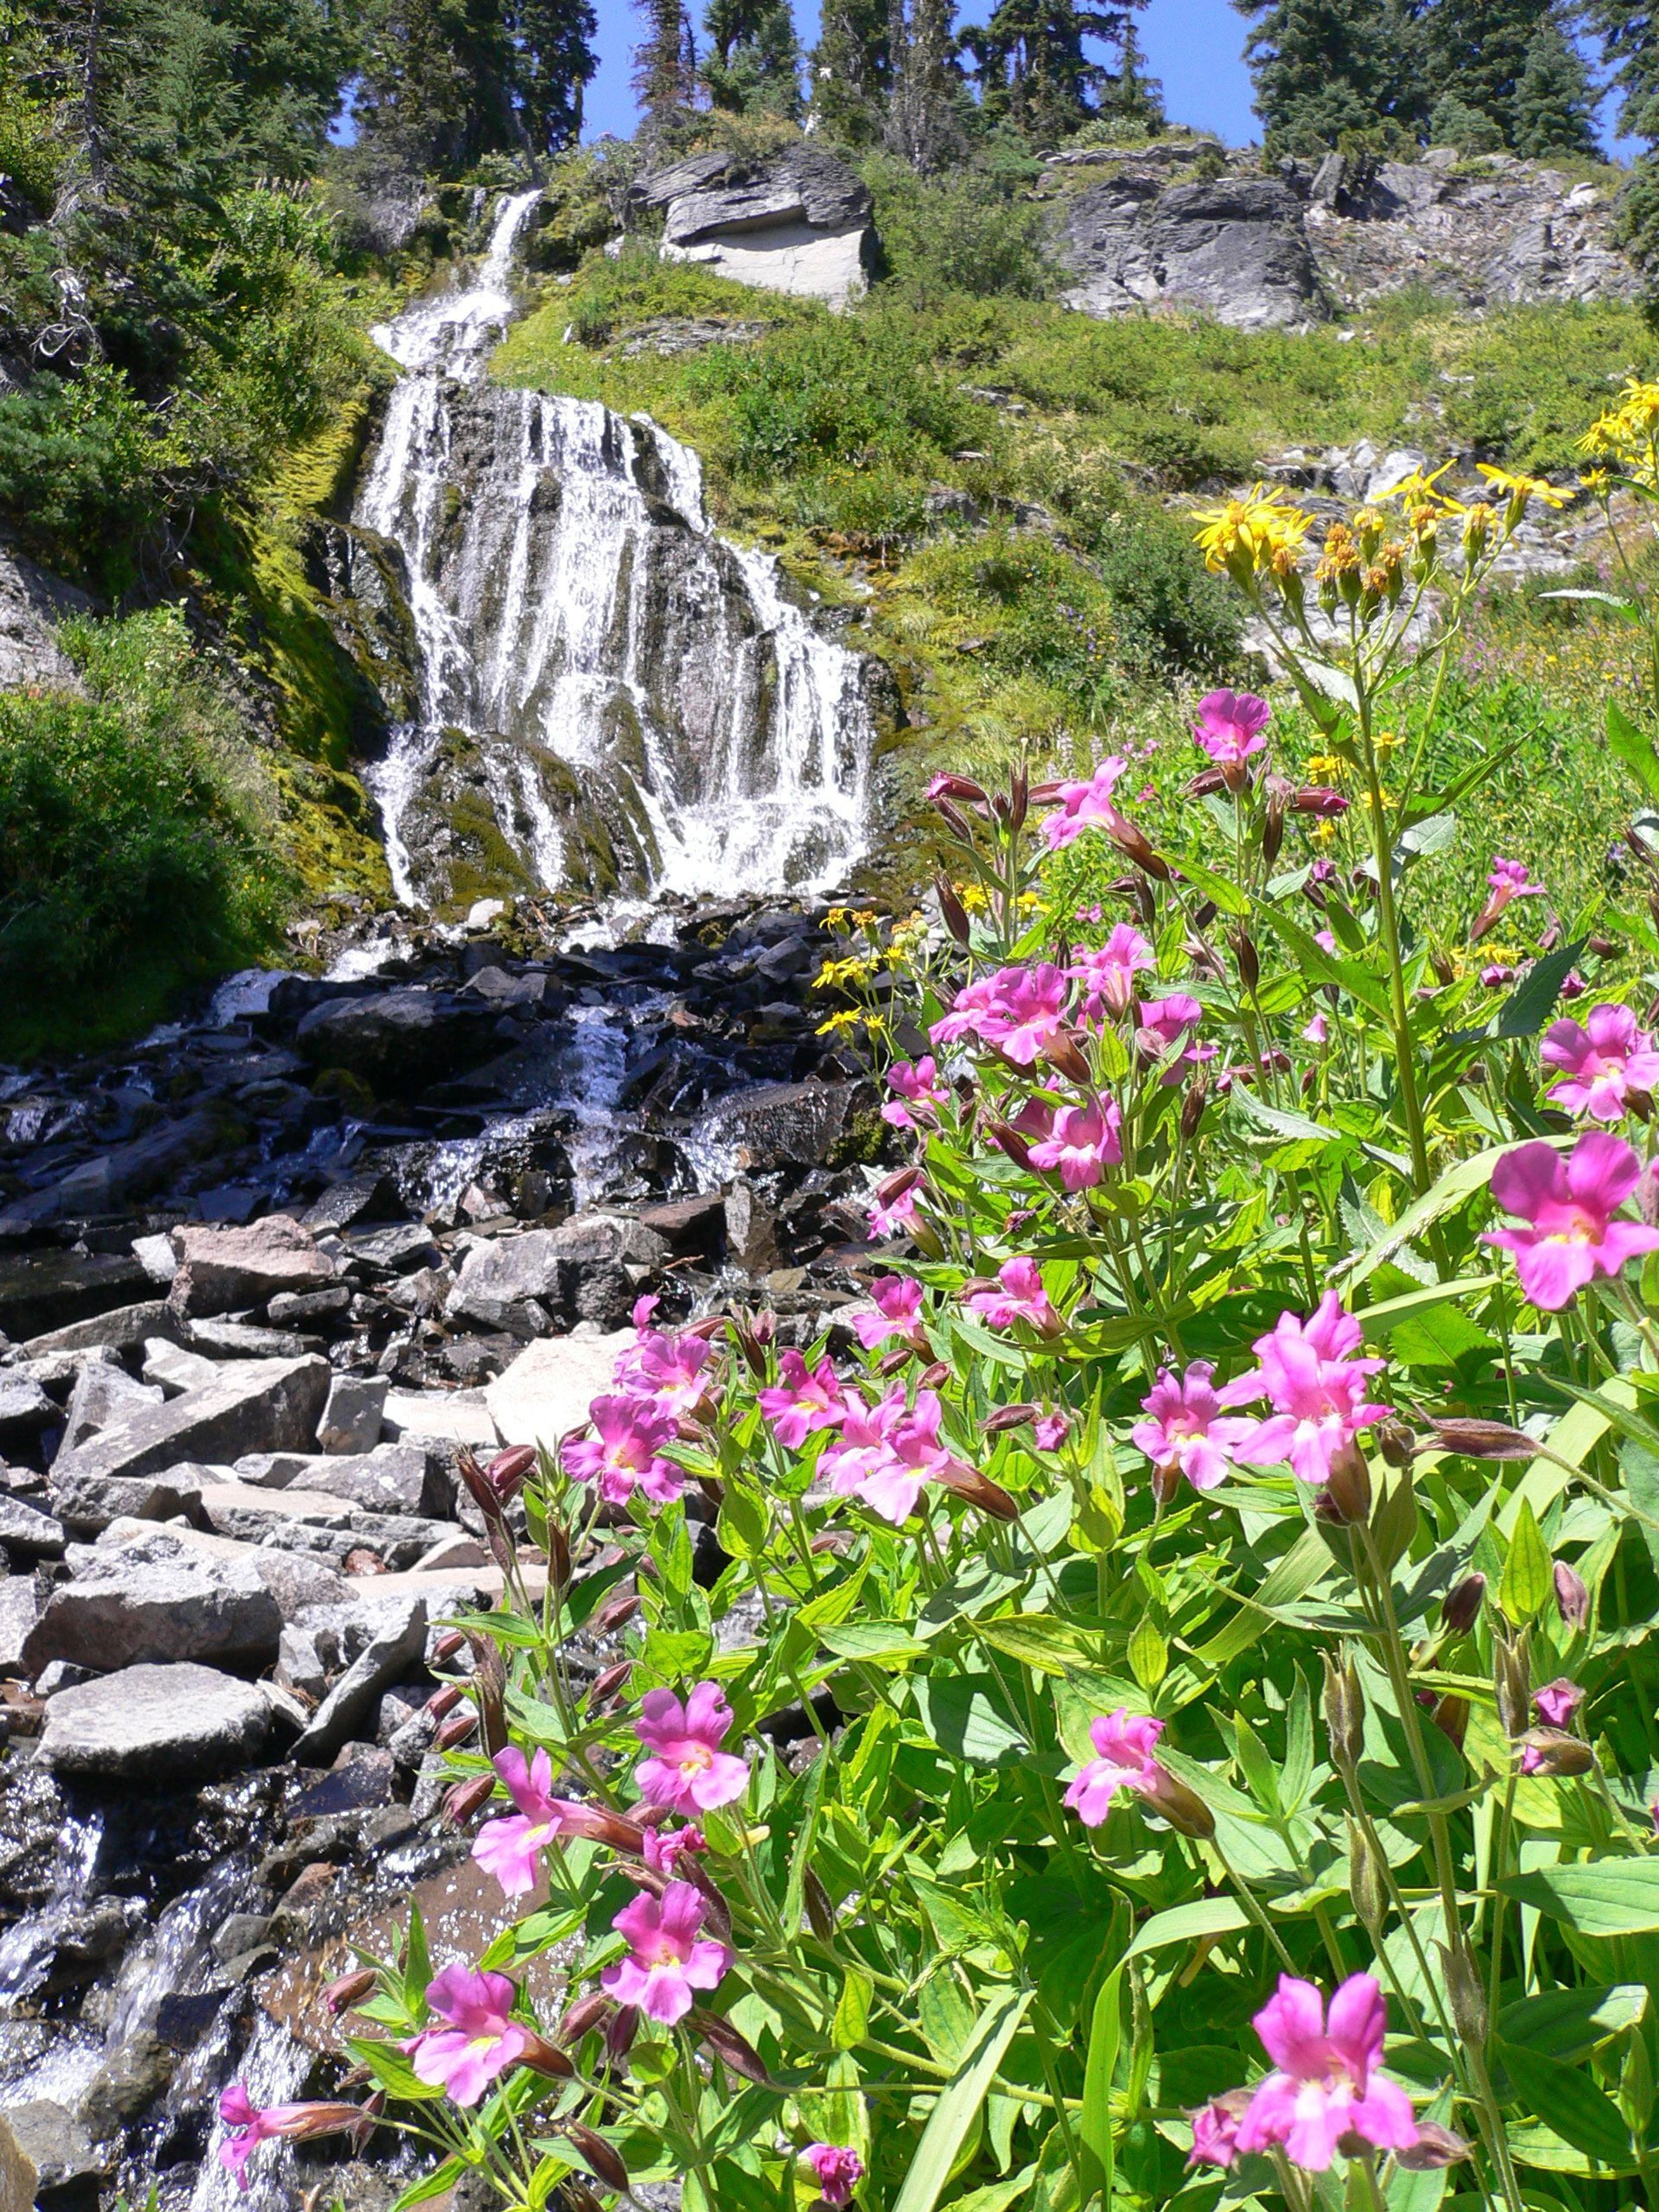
<point x="1276" y="1122"/>
<point x="874" y="1642"/>
<point x="959" y="2103"/>
<point x="1037" y="1640"/>
<point x="441" y="2180"/>
<point x="1190" y="1924"/>
<point x="1227" y="897"/>
<point x="1149" y="1654"/>
<point x="417" y="1963"/>
<point x="1527" y="1580"/>
<point x="1567" y="2025"/>
<point x="742" y="1522"/>
<point x="1094" y="2124"/>
<point x="1629" y="744"/>
<point x="1532" y="1002"/>
<point x="1458" y="1183"/>
<point x="1608" y="1897"/>
<point x="852" y="2019"/>
<point x="1570" y="2103"/>
<point x="1318" y="966"/>
<point x="965" y="1715"/>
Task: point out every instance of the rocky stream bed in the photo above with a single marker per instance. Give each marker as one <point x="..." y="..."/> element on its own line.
<point x="262" y="1277"/>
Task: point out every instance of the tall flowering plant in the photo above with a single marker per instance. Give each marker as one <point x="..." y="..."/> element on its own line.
<point x="1152" y="1705"/>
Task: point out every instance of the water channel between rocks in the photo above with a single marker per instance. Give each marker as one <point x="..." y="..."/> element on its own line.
<point x="265" y="1272"/>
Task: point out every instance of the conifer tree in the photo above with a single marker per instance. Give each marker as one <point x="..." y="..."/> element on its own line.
<point x="436" y="87"/>
<point x="554" y="63"/>
<point x="1554" y="107"/>
<point x="923" y="111"/>
<point x="1033" y="68"/>
<point x="851" y="70"/>
<point x="1629" y="31"/>
<point x="753" y="62"/>
<point x="1327" y="68"/>
<point x="664" y="64"/>
<point x="1479" y="49"/>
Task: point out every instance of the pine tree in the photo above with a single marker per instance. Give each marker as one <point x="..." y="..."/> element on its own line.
<point x="1470" y="130"/>
<point x="664" y="64"/>
<point x="437" y="84"/>
<point x="923" y="111"/>
<point x="1554" y="105"/>
<point x="851" y="70"/>
<point x="1479" y="48"/>
<point x="554" y="63"/>
<point x="753" y="62"/>
<point x="1326" y="68"/>
<point x="1033" y="69"/>
<point x="1629" y="31"/>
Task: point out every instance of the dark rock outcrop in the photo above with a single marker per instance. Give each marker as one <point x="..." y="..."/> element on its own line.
<point x="1230" y="247"/>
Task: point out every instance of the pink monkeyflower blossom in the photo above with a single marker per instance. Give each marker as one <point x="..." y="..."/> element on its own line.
<point x="898" y="1301"/>
<point x="1316" y="1388"/>
<point x="1164" y="1024"/>
<point x="1185" y="1429"/>
<point x="861" y="1445"/>
<point x="1558" y="1701"/>
<point x="1326" y="2091"/>
<point x="687" y="1772"/>
<point x="482" y="2039"/>
<point x="920" y="1094"/>
<point x="1108" y="972"/>
<point x="1570" y="1205"/>
<point x="669" y="1369"/>
<point x="1124" y="1743"/>
<point x="1215" y="2131"/>
<point x="627" y="1453"/>
<point x="837" y="2172"/>
<point x="1084" y="1142"/>
<point x="803" y="1400"/>
<point x="1018" y="1296"/>
<point x="1510" y="879"/>
<point x="1017" y="1010"/>
<point x="668" y="1956"/>
<point x="1326" y="940"/>
<point x="1604" y="1063"/>
<point x="663" y="1852"/>
<point x="898" y="1216"/>
<point x="1496" y="974"/>
<point x="247" y="2126"/>
<point x="510" y="1848"/>
<point x="1049" y="1431"/>
<point x="1573" y="985"/>
<point x="1081" y="804"/>
<point x="1230" y="726"/>
<point x="889" y="1452"/>
<point x="1317" y="1031"/>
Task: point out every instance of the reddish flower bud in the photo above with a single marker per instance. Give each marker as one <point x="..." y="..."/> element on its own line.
<point x="543" y="2057"/>
<point x="966" y="1482"/>
<point x="1572" y="1599"/>
<point x="583" y="2017"/>
<point x="466" y="1798"/>
<point x="734" y="2051"/>
<point x="957" y="787"/>
<point x="1315" y="799"/>
<point x="1193" y="1105"/>
<point x="952" y="909"/>
<point x="606" y="1685"/>
<point x="1133" y="840"/>
<point x="1460" y="1607"/>
<point x="954" y="821"/>
<point x="444" y="1701"/>
<point x="1472" y="1439"/>
<point x="507" y="1473"/>
<point x="1345" y="1500"/>
<point x="447" y="1645"/>
<point x="603" y="2158"/>
<point x="1436" y="2147"/>
<point x="1183" y="1808"/>
<point x="820" y="1911"/>
<point x="340" y="1996"/>
<point x="1552" y="1753"/>
<point x="620" y="2030"/>
<point x="931" y="1377"/>
<point x="619" y="1607"/>
<point x="1451" y="1717"/>
<point x="1061" y="1052"/>
<point x="1008" y="1417"/>
<point x="455" y="1729"/>
<point x="1008" y="1140"/>
<point x="1249" y="962"/>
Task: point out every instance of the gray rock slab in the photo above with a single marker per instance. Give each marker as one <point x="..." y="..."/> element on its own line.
<point x="24" y="1528"/>
<point x="180" y="1723"/>
<point x="253" y="1405"/>
<point x="104" y="1394"/>
<point x="551" y="1385"/>
<point x="122" y="1329"/>
<point x="221" y="1270"/>
<point x="351" y="1418"/>
<point x="121" y="1609"/>
<point x="20" y="1600"/>
<point x="86" y="1503"/>
<point x="397" y="1643"/>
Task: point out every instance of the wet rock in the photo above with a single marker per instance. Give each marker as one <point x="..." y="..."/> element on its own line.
<point x="397" y="1643"/>
<point x="18" y="2172"/>
<point x="549" y="1386"/>
<point x="121" y="1610"/>
<point x="351" y="1418"/>
<point x="775" y="1124"/>
<point x="752" y="1229"/>
<point x="253" y="1405"/>
<point x="104" y="1392"/>
<point x="133" y="2075"/>
<point x="223" y="1270"/>
<point x="51" y="2140"/>
<point x="157" y="1724"/>
<point x="398" y="1041"/>
<point x="117" y="1178"/>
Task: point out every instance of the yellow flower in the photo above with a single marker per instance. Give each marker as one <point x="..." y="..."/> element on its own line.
<point x="1324" y="832"/>
<point x="1597" y="482"/>
<point x="972" y="897"/>
<point x="1521" y="489"/>
<point x="1386" y="740"/>
<point x="849" y="1018"/>
<point x="1246" y="533"/>
<point x="1323" y="766"/>
<point x="1422" y="499"/>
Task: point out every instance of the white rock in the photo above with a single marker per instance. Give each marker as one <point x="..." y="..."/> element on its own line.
<point x="482" y="912"/>
<point x="549" y="1386"/>
<point x="462" y="1416"/>
<point x="351" y="1418"/>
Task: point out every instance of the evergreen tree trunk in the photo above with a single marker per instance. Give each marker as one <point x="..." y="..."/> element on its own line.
<point x="922" y="125"/>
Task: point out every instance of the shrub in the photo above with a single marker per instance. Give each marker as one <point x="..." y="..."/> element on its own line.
<point x="973" y="231"/>
<point x="135" y="853"/>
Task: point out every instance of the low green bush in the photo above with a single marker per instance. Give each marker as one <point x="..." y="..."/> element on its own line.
<point x="135" y="848"/>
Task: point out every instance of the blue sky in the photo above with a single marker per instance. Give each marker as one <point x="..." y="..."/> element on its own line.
<point x="1195" y="47"/>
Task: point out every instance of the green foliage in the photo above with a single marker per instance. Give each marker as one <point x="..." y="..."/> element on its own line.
<point x="1323" y="67"/>
<point x="753" y="64"/>
<point x="973" y="231"/>
<point x="1554" y="104"/>
<point x="1471" y="130"/>
<point x="136" y="851"/>
<point x="1480" y="49"/>
<point x="1034" y="70"/>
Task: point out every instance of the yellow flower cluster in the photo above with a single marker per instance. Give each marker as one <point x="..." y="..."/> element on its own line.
<point x="1627" y="438"/>
<point x="1246" y="534"/>
<point x="1325" y="768"/>
<point x="844" y="974"/>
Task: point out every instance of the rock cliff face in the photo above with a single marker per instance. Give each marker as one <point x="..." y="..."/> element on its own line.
<point x="797" y="221"/>
<point x="31" y="604"/>
<point x="1137" y="229"/>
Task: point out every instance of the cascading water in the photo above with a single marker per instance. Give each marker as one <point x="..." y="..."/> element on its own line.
<point x="634" y="699"/>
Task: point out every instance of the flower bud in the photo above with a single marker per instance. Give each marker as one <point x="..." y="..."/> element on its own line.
<point x="558" y="1559"/>
<point x="604" y="2160"/>
<point x="447" y="1645"/>
<point x="820" y="1911"/>
<point x="1133" y="840"/>
<point x="1345" y="1711"/>
<point x="1472" y="1439"/>
<point x="583" y="2017"/>
<point x="957" y="787"/>
<point x="508" y="1471"/>
<point x="455" y="1729"/>
<point x="544" y="2057"/>
<point x="619" y="2031"/>
<point x="954" y="821"/>
<point x="931" y="1378"/>
<point x="1347" y="1497"/>
<point x="1394" y="1441"/>
<point x="1466" y="1997"/>
<point x="734" y="2051"/>
<point x="340" y="1996"/>
<point x="604" y="1687"/>
<point x="443" y="1702"/>
<point x="1552" y="1753"/>
<point x="1571" y="1596"/>
<point x="1272" y="826"/>
<point x="1318" y="799"/>
<point x="1183" y="1808"/>
<point x="1451" y="1717"/>
<point x="1139" y="894"/>
<point x="966" y="1482"/>
<point x="1009" y="1141"/>
<point x="1460" y="1607"/>
<point x="1061" y="1052"/>
<point x="1512" y="1682"/>
<point x="955" y="914"/>
<point x="1436" y="2147"/>
<point x="1605" y="948"/>
<point x="1365" y="1883"/>
<point x="1019" y="800"/>
<point x="1204" y="913"/>
<point x="467" y="1798"/>
<point x="618" y="1608"/>
<point x="303" y="2122"/>
<point x="1192" y="1106"/>
<point x="1249" y="961"/>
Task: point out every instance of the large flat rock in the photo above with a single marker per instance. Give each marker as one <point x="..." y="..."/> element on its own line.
<point x="1233" y="248"/>
<point x="223" y="1270"/>
<point x="549" y="1386"/>
<point x="249" y="1404"/>
<point x="122" y="1610"/>
<point x="156" y="1724"/>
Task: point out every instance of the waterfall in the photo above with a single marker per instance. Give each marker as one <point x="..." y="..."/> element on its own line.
<point x="620" y="695"/>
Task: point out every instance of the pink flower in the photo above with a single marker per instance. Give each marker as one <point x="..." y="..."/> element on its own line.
<point x="1326" y="2090"/>
<point x="898" y="1301"/>
<point x="245" y="2128"/>
<point x="888" y="1452"/>
<point x="626" y="1455"/>
<point x="1085" y="1142"/>
<point x="1573" y="985"/>
<point x="1509" y="880"/>
<point x="1569" y="1204"/>
<point x="481" y="2040"/>
<point x="1049" y="1431"/>
<point x="1163" y="1024"/>
<point x="1558" y="1701"/>
<point x="1020" y="1296"/>
<point x="1318" y="1391"/>
<point x="1124" y="1743"/>
<point x="896" y="1215"/>
<point x="668" y="1369"/>
<point x="837" y="2172"/>
<point x="920" y="1094"/>
<point x="1108" y="972"/>
<point x="1317" y="1030"/>
<point x="804" y="1401"/>
<point x="1017" y="1010"/>
<point x="1184" y="1428"/>
<point x="1603" y="1064"/>
<point x="510" y="1848"/>
<point x="1230" y="726"/>
<point x="1495" y="974"/>
<point x="1082" y="803"/>
<point x="1326" y="940"/>
<point x="668" y="1957"/>
<point x="663" y="1852"/>
<point x="687" y="1772"/>
<point x="1215" y="2132"/>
